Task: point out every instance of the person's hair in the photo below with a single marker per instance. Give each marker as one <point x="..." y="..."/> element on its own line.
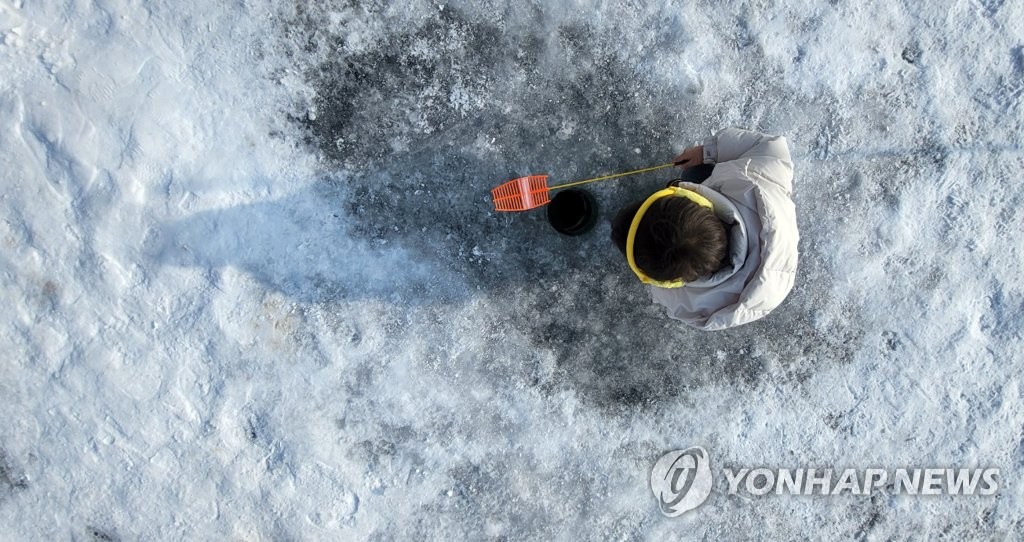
<point x="676" y="239"/>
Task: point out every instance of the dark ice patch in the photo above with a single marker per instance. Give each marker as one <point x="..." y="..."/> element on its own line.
<point x="12" y="478"/>
<point x="424" y="122"/>
<point x="991" y="7"/>
<point x="872" y="514"/>
<point x="1017" y="60"/>
<point x="258" y="431"/>
<point x="97" y="534"/>
<point x="911" y="53"/>
<point x="1004" y="308"/>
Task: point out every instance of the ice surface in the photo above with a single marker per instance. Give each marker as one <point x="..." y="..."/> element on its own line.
<point x="255" y="290"/>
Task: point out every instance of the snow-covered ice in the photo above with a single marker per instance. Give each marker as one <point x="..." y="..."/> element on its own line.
<point x="254" y="289"/>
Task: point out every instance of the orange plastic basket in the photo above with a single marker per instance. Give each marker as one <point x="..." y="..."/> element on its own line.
<point x="521" y="193"/>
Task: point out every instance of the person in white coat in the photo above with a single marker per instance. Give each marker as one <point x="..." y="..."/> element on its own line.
<point x="724" y="252"/>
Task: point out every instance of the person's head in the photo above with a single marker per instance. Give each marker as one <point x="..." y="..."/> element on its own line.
<point x="675" y="240"/>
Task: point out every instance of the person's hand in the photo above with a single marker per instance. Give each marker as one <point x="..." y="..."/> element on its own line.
<point x="694" y="156"/>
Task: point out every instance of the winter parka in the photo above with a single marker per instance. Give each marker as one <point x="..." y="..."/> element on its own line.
<point x="751" y="191"/>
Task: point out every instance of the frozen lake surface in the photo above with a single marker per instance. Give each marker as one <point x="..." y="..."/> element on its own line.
<point x="255" y="290"/>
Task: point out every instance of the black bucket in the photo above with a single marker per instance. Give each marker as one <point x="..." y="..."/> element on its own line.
<point x="572" y="212"/>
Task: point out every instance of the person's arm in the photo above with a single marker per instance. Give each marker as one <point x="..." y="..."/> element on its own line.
<point x="766" y="154"/>
<point x="733" y="143"/>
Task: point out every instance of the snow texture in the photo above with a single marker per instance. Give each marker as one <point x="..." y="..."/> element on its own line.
<point x="254" y="289"/>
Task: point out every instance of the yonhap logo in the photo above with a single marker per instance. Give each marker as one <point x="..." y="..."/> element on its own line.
<point x="681" y="480"/>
